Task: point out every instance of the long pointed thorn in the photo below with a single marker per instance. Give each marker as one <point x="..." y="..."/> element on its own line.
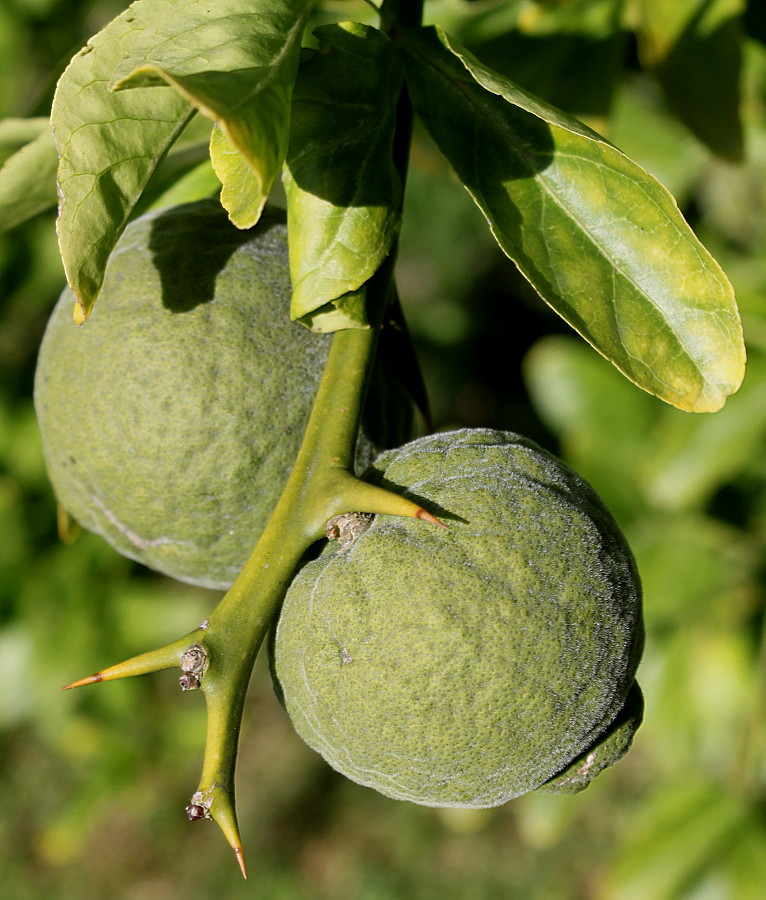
<point x="361" y="496"/>
<point x="164" y="658"/>
<point x="427" y="517"/>
<point x="91" y="679"/>
<point x="223" y="813"/>
<point x="240" y="854"/>
<point x="221" y="805"/>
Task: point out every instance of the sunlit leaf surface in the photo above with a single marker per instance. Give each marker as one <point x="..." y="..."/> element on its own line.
<point x="109" y="145"/>
<point x="601" y="240"/>
<point x="342" y="187"/>
<point x="237" y="66"/>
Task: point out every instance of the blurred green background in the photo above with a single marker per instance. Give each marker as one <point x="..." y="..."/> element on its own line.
<point x="94" y="782"/>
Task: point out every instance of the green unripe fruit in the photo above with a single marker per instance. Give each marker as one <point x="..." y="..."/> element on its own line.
<point x="467" y="666"/>
<point x="171" y="419"/>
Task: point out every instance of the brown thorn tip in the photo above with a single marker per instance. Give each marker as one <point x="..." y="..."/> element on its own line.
<point x="427" y="517"/>
<point x="239" y="853"/>
<point x="91" y="679"/>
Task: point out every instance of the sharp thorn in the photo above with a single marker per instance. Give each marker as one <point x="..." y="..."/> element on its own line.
<point x="91" y="679"/>
<point x="427" y="517"/>
<point x="221" y="805"/>
<point x="164" y="658"/>
<point x="240" y="854"/>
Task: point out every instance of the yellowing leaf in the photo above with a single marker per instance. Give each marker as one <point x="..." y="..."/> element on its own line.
<point x="241" y="193"/>
<point x="600" y="239"/>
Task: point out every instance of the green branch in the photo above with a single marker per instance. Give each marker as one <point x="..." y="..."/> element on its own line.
<point x="218" y="657"/>
<point x="220" y="654"/>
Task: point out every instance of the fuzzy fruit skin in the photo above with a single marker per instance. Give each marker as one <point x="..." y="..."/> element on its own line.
<point x="172" y="418"/>
<point x="467" y="666"/>
<point x="608" y="749"/>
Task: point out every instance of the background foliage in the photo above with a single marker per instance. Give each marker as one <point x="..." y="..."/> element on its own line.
<point x="95" y="781"/>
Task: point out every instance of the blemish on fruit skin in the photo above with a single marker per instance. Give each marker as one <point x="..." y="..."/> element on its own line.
<point x="136" y="540"/>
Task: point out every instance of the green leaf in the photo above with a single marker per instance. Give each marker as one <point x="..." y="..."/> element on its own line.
<point x="746" y="863"/>
<point x="19" y="131"/>
<point x="236" y="62"/>
<point x="242" y="195"/>
<point x="343" y="190"/>
<point x="109" y="146"/>
<point x="15" y="133"/>
<point x="347" y="311"/>
<point x="585" y="402"/>
<point x="177" y="166"/>
<point x="692" y="458"/>
<point x="695" y="50"/>
<point x="194" y="184"/>
<point x="642" y="127"/>
<point x="479" y="22"/>
<point x="693" y="569"/>
<point x="667" y="460"/>
<point x="189" y="154"/>
<point x="601" y="240"/>
<point x="28" y="181"/>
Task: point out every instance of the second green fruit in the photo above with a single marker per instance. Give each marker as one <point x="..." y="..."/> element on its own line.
<point x="172" y="418"/>
<point x="467" y="666"/>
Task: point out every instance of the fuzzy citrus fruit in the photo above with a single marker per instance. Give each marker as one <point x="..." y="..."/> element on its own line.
<point x="467" y="666"/>
<point x="172" y="418"/>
